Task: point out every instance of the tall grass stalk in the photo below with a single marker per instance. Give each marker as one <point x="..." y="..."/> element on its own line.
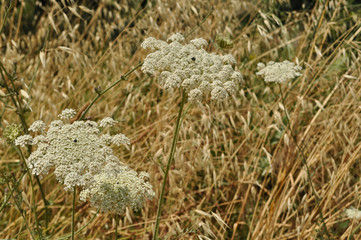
<point x="304" y="161"/>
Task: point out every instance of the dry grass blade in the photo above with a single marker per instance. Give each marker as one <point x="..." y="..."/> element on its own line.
<point x="238" y="173"/>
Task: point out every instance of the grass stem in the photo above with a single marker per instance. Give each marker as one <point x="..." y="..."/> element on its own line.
<point x="304" y="161"/>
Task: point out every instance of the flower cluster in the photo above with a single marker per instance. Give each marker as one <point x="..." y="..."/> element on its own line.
<point x="12" y="132"/>
<point x="278" y="72"/>
<point x="191" y="67"/>
<point x="81" y="156"/>
<point x="353" y="213"/>
<point x="117" y="188"/>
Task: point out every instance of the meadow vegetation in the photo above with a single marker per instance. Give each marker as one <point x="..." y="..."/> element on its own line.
<point x="273" y="161"/>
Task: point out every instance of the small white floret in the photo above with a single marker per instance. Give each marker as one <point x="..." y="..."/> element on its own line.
<point x="177" y="37"/>
<point x="67" y="114"/>
<point x="37" y="126"/>
<point x="353" y="213"/>
<point x="24" y="140"/>
<point x="278" y="72"/>
<point x="107" y="122"/>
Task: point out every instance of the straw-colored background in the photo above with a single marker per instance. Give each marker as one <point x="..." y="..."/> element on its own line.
<point x="237" y="173"/>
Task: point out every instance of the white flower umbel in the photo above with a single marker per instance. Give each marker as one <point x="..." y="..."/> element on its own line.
<point x="24" y="140"/>
<point x="278" y="72"/>
<point x="107" y="122"/>
<point x="67" y="113"/>
<point x="37" y="126"/>
<point x="73" y="150"/>
<point x="353" y="213"/>
<point x="81" y="156"/>
<point x="114" y="190"/>
<point x="191" y="67"/>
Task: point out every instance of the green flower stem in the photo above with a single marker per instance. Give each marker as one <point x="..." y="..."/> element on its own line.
<point x="20" y="111"/>
<point x="46" y="203"/>
<point x="200" y="24"/>
<point x="354" y="231"/>
<point x="20" y="210"/>
<point x="304" y="161"/>
<point x="38" y="229"/>
<point x="171" y="155"/>
<point x="80" y="229"/>
<point x="73" y="215"/>
<point x="116" y="226"/>
<point x="11" y="192"/>
<point x="122" y="78"/>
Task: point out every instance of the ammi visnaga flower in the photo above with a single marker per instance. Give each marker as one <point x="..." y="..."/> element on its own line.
<point x="81" y="156"/>
<point x="278" y="72"/>
<point x="191" y="67"/>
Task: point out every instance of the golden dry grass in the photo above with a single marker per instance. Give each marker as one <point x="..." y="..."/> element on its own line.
<point x="237" y="172"/>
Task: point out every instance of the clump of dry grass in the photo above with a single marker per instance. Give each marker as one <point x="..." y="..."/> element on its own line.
<point x="238" y="174"/>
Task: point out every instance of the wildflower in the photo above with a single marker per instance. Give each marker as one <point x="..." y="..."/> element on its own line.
<point x="37" y="126"/>
<point x="113" y="191"/>
<point x="11" y="132"/>
<point x="278" y="72"/>
<point x="67" y="114"/>
<point x="224" y="42"/>
<point x="108" y="122"/>
<point x="81" y="156"/>
<point x="190" y="67"/>
<point x="120" y="139"/>
<point x="24" y="140"/>
<point x="353" y="213"/>
<point x="71" y="149"/>
<point x="176" y="38"/>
